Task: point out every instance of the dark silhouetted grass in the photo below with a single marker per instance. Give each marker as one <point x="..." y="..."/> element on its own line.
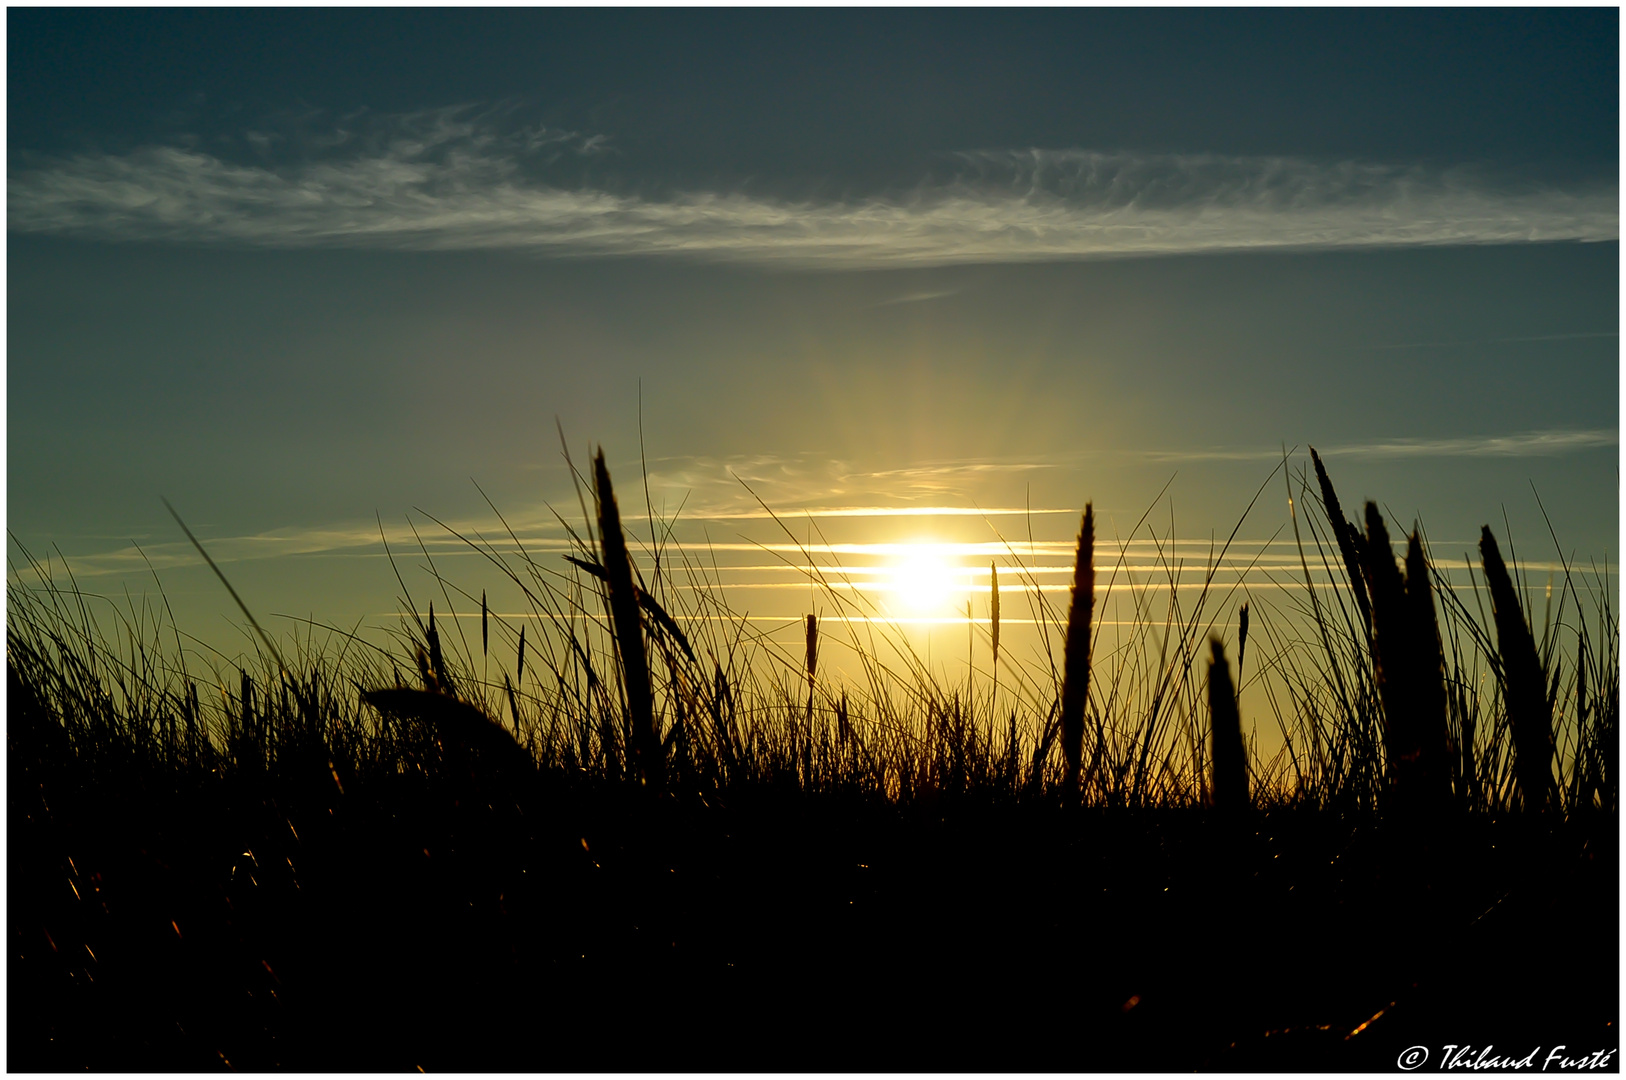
<point x="662" y="839"/>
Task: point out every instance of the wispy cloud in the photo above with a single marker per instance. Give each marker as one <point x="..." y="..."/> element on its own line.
<point x="816" y="485"/>
<point x="887" y="512"/>
<point x="1524" y="444"/>
<point x="916" y="298"/>
<point x="1591" y="335"/>
<point x="450" y="183"/>
<point x="359" y="539"/>
<point x="720" y="488"/>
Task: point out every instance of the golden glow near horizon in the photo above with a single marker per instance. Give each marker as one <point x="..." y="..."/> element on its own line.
<point x="895" y="569"/>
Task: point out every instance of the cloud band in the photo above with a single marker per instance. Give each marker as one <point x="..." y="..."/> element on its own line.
<point x="472" y="193"/>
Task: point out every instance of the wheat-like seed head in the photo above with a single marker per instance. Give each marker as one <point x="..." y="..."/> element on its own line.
<point x="1076" y="664"/>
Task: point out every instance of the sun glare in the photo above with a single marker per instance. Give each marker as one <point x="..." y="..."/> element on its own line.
<point x="923" y="581"/>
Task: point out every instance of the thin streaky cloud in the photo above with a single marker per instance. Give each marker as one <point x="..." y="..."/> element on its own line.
<point x="817" y="483"/>
<point x="887" y="511"/>
<point x="916" y="298"/>
<point x="935" y="471"/>
<point x="1254" y="555"/>
<point x="467" y="189"/>
<point x="1524" y="444"/>
<point x="1562" y="337"/>
<point x="1584" y="336"/>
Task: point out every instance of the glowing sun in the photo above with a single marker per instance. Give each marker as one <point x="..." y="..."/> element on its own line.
<point x="922" y="580"/>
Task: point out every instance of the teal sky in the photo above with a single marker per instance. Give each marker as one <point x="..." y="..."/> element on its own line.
<point x="855" y="259"/>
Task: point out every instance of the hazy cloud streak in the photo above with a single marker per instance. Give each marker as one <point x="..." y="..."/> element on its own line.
<point x="465" y="191"/>
<point x="1523" y="444"/>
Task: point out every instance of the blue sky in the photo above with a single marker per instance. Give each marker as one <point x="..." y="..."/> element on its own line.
<point x="295" y="269"/>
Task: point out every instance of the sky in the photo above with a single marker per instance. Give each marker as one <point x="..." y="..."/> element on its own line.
<point x="311" y="275"/>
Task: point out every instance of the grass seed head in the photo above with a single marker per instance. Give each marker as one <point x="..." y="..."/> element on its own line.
<point x="628" y="631"/>
<point x="1348" y="538"/>
<point x="993" y="607"/>
<point x="1076" y="661"/>
<point x="812" y="648"/>
<point x="1230" y="779"/>
<point x="1524" y="683"/>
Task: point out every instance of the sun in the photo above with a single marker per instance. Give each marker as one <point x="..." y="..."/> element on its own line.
<point x="922" y="579"/>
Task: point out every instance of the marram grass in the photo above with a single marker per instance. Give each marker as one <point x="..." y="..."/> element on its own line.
<point x="1376" y="691"/>
<point x="631" y="833"/>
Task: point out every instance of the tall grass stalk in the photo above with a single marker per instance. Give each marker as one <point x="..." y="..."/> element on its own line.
<point x="1406" y="663"/>
<point x="1230" y="756"/>
<point x="993" y="633"/>
<point x="727" y="700"/>
<point x="1523" y="683"/>
<point x="1075" y="690"/>
<point x="629" y="634"/>
<point x="812" y="661"/>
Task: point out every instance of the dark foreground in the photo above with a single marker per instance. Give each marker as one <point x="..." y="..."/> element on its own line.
<point x="275" y="923"/>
